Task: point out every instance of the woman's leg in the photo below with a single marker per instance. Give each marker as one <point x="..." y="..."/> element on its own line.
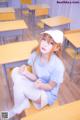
<point x="20" y="101"/>
<point x="24" y="88"/>
<point x="39" y="97"/>
<point x="22" y="84"/>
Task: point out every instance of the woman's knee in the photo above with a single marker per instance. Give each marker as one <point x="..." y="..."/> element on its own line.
<point x="14" y="71"/>
<point x="38" y="101"/>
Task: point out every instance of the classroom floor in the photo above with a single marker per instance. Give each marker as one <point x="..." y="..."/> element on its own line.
<point x="70" y="90"/>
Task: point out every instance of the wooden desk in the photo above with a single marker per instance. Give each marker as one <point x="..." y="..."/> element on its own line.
<point x="69" y="111"/>
<point x="36" y="10"/>
<point x="7" y="13"/>
<point x="15" y="54"/>
<point x="73" y="36"/>
<point x="33" y="7"/>
<point x="12" y="28"/>
<point x="56" y="22"/>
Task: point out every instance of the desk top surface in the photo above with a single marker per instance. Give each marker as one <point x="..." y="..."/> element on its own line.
<point x="7" y="10"/>
<point x="73" y="37"/>
<point x="13" y="25"/>
<point x="17" y="51"/>
<point x="33" y="7"/>
<point x="55" y="21"/>
<point x="7" y="16"/>
<point x="69" y="111"/>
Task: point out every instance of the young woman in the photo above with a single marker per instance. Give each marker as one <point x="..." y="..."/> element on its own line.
<point x="42" y="85"/>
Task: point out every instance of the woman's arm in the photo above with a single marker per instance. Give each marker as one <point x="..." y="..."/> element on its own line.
<point x="45" y="86"/>
<point x="24" y="71"/>
<point x="30" y="75"/>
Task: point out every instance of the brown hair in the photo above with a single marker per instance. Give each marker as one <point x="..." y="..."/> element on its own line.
<point x="48" y="37"/>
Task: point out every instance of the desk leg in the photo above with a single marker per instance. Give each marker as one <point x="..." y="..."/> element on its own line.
<point x="66" y="42"/>
<point x="2" y="40"/>
<point x="72" y="66"/>
<point x="22" y="37"/>
<point x="32" y="21"/>
<point x="46" y="27"/>
<point x="69" y="26"/>
<point x="7" y="81"/>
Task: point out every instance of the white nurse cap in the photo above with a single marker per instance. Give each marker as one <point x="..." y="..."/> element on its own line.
<point x="57" y="35"/>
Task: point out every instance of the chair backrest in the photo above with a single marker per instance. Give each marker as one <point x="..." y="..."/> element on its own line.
<point x="26" y="1"/>
<point x="41" y="12"/>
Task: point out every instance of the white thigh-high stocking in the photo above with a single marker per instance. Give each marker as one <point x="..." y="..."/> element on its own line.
<point x="20" y="101"/>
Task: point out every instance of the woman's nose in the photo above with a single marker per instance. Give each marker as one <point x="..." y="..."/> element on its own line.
<point x="46" y="43"/>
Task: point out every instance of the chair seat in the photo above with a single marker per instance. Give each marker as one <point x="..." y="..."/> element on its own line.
<point x="32" y="110"/>
<point x="25" y="12"/>
<point x="26" y="2"/>
<point x="40" y="25"/>
<point x="71" y="53"/>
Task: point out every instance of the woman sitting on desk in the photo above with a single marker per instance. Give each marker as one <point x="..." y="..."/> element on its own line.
<point x="42" y="85"/>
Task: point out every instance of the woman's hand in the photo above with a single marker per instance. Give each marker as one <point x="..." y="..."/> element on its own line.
<point x="45" y="86"/>
<point x="23" y="69"/>
<point x="38" y="84"/>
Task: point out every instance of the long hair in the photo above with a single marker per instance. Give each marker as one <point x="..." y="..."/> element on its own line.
<point x="48" y="37"/>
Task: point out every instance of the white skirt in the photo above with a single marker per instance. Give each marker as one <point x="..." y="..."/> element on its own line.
<point x="44" y="101"/>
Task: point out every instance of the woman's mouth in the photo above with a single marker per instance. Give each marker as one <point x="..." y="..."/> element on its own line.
<point x="44" y="49"/>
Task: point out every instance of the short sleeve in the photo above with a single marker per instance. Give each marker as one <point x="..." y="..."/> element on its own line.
<point x="58" y="74"/>
<point x="31" y="58"/>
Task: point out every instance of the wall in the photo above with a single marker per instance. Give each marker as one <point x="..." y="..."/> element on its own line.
<point x="70" y="10"/>
<point x="16" y="3"/>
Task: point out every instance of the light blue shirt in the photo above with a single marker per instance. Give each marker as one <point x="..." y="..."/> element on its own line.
<point x="52" y="70"/>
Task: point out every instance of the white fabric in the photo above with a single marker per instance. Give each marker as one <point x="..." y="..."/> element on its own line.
<point x="57" y="35"/>
<point x="24" y="90"/>
<point x="44" y="101"/>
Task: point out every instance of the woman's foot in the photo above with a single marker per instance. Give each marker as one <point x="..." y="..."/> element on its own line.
<point x="21" y="115"/>
<point x="11" y="114"/>
<point x="14" y="116"/>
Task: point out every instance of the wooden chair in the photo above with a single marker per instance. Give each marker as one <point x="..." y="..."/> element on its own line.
<point x="41" y="13"/>
<point x="71" y="52"/>
<point x="25" y="2"/>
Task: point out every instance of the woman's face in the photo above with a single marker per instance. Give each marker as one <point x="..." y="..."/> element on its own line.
<point x="46" y="44"/>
